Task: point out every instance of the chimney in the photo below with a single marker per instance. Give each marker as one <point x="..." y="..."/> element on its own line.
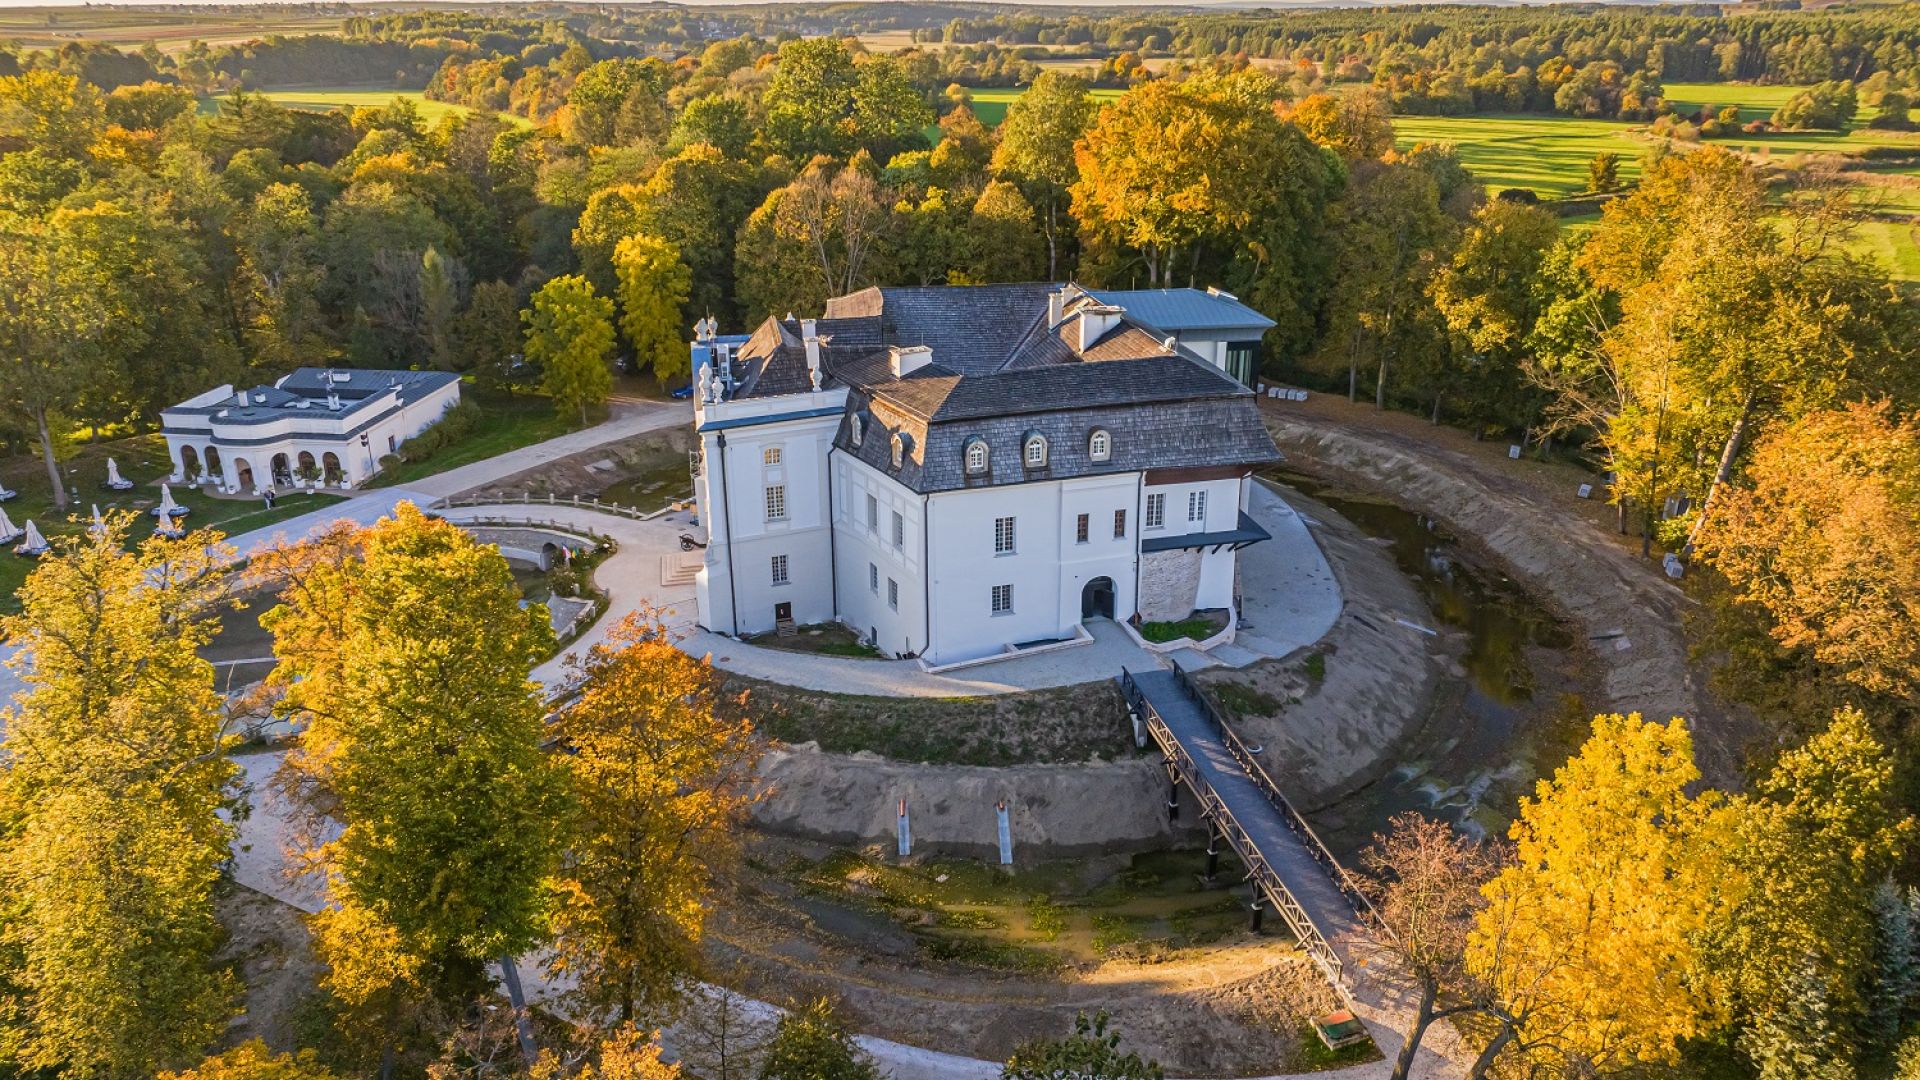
<point x="1056" y="307"/>
<point x="907" y="359"/>
<point x="1095" y="321"/>
<point x="810" y="337"/>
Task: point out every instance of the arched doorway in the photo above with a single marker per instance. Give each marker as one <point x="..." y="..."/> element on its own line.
<point x="189" y="464"/>
<point x="243" y="473"/>
<point x="330" y="467"/>
<point x="213" y="463"/>
<point x="309" y="468"/>
<point x="281" y="469"/>
<point x="1096" y="600"/>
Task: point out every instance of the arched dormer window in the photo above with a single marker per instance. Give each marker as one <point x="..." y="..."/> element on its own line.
<point x="1099" y="445"/>
<point x="1034" y="451"/>
<point x="977" y="457"/>
<point x="902" y="443"/>
<point x="857" y="428"/>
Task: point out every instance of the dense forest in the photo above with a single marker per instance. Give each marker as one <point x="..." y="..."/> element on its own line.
<point x="616" y="174"/>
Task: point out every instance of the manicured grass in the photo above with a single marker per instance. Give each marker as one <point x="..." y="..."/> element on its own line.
<point x="1545" y="154"/>
<point x="327" y="98"/>
<point x="142" y="459"/>
<point x="507" y="423"/>
<point x="1895" y="244"/>
<point x="990" y="102"/>
<point x="1755" y="102"/>
<point x="1197" y="628"/>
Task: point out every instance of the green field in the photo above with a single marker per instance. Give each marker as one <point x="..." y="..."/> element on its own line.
<point x="325" y="98"/>
<point x="1547" y="154"/>
<point x="990" y="102"/>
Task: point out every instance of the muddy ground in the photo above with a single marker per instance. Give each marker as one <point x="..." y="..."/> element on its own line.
<point x="269" y="949"/>
<point x="1233" y="1006"/>
<point x="646" y="472"/>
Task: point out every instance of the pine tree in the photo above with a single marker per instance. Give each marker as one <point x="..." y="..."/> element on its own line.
<point x="1897" y="974"/>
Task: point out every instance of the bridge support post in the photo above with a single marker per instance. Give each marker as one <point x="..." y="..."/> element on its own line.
<point x="1173" y="793"/>
<point x="1259" y="910"/>
<point x="1213" y="857"/>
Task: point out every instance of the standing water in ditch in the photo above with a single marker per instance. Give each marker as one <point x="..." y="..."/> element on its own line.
<point x="1508" y="714"/>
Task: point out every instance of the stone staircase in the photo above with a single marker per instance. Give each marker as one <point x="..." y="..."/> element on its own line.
<point x="679" y="568"/>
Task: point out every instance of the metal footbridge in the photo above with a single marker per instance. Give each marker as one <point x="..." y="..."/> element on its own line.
<point x="1286" y="863"/>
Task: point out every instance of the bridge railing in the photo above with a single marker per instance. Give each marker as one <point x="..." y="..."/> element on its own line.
<point x="1264" y="877"/>
<point x="574" y="501"/>
<point x="1362" y="905"/>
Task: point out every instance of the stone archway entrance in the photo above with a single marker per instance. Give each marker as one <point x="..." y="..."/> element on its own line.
<point x="330" y="467"/>
<point x="281" y="470"/>
<point x="1096" y="599"/>
<point x="189" y="464"/>
<point x="213" y="463"/>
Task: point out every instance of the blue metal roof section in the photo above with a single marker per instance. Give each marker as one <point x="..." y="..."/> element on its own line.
<point x="703" y="350"/>
<point x="1175" y="310"/>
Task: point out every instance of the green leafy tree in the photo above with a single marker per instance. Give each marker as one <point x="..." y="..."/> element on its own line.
<point x="1092" y="1052"/>
<point x="1001" y="242"/>
<point x="55" y="308"/>
<point x="1809" y="850"/>
<point x="111" y="802"/>
<point x="1603" y="172"/>
<point x="809" y="103"/>
<point x="1485" y="293"/>
<point x="440" y="281"/>
<point x="404" y="651"/>
<point x="720" y="122"/>
<point x="889" y="113"/>
<point x="654" y="284"/>
<point x="279" y="279"/>
<point x="1036" y="149"/>
<point x="487" y="337"/>
<point x="811" y="1044"/>
<point x="570" y="338"/>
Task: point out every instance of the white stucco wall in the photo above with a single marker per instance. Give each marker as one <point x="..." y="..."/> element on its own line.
<point x="869" y="559"/>
<point x="316" y="431"/>
<point x="736" y="579"/>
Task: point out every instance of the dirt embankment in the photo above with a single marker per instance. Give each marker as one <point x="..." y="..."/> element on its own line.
<point x="1631" y="615"/>
<point x="1332" y="716"/>
<point x="1054" y="811"/>
<point x="645" y="470"/>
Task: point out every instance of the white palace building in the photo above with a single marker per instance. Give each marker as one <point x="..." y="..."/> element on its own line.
<point x="953" y="471"/>
<point x="332" y="425"/>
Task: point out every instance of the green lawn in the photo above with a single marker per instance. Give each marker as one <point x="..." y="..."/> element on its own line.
<point x="1547" y="154"/>
<point x="326" y="98"/>
<point x="142" y="459"/>
<point x="508" y="423"/>
<point x="990" y="102"/>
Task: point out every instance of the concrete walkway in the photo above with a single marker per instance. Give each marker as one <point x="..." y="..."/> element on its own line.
<point x="629" y="419"/>
<point x="1289" y="601"/>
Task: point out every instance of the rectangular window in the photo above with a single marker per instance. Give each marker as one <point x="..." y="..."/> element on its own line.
<point x="1003" y="536"/>
<point x="1002" y="599"/>
<point x="1196" y="506"/>
<point x="893" y="594"/>
<point x="1119" y="524"/>
<point x="899" y="530"/>
<point x="776" y="502"/>
<point x="779" y="569"/>
<point x="1080" y="529"/>
<point x="873" y="513"/>
<point x="771" y="456"/>
<point x="873" y="578"/>
<point x="1156" y="510"/>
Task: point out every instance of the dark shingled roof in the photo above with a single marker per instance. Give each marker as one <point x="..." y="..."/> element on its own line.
<point x="1000" y="374"/>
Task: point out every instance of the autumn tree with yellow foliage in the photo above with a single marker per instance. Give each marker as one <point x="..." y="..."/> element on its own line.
<point x="404" y="653"/>
<point x="111" y="838"/>
<point x="1588" y="944"/>
<point x="660" y="774"/>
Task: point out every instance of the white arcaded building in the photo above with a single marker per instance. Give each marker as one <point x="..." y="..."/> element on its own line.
<point x="334" y="424"/>
<point x="950" y="471"/>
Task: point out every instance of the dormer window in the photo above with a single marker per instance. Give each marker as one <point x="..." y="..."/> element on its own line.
<point x="1099" y="445"/>
<point x="977" y="457"/>
<point x="901" y="444"/>
<point x="1034" y="452"/>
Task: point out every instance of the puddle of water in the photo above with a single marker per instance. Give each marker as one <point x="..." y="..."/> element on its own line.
<point x="1513" y="716"/>
<point x="1048" y="918"/>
